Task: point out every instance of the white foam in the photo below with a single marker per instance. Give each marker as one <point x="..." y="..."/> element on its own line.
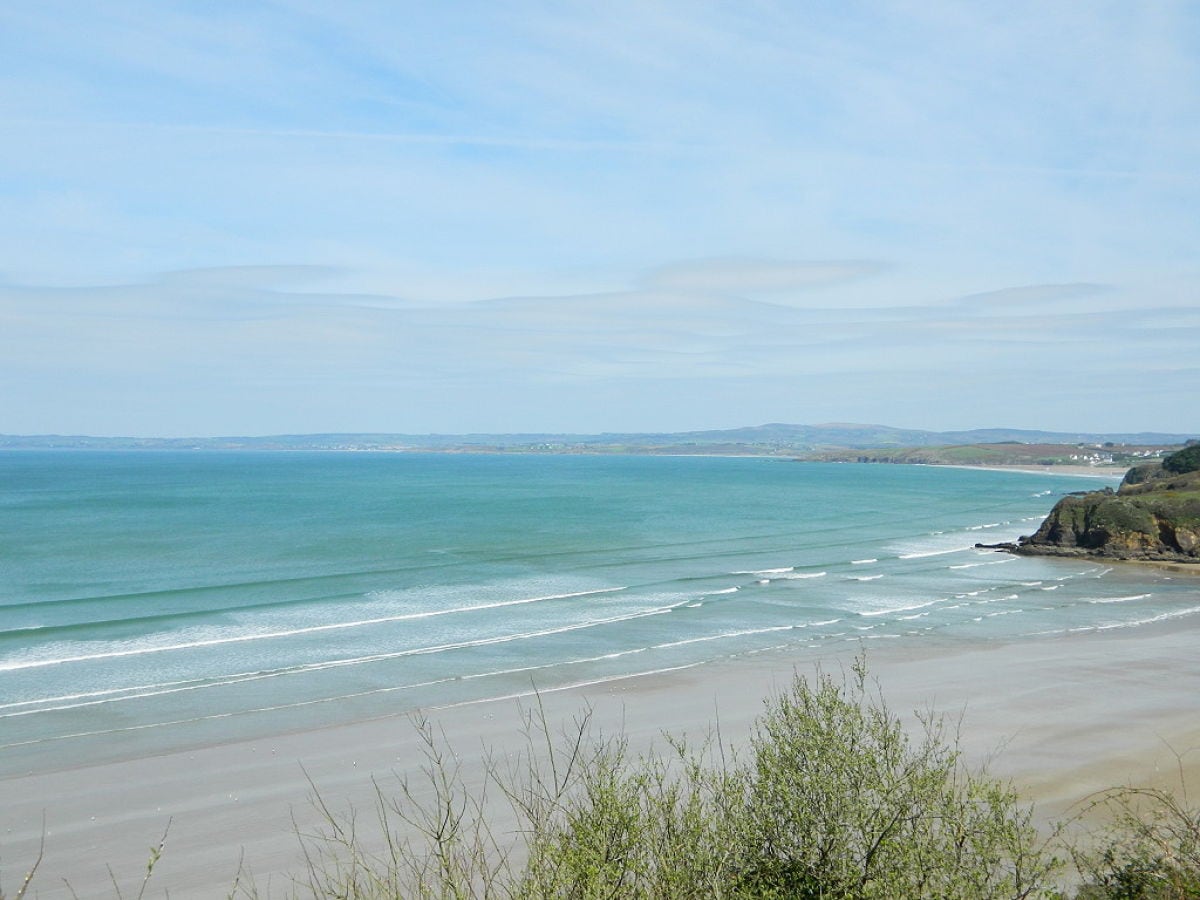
<point x="765" y="571"/>
<point x="567" y="687"/>
<point x="862" y="562"/>
<point x="723" y="636"/>
<point x="170" y="688"/>
<point x="312" y="629"/>
<point x="1117" y="599"/>
<point x="552" y="665"/>
<point x="994" y="562"/>
<point x="743" y="633"/>
<point x="897" y="609"/>
<point x="863" y="577"/>
<point x="1176" y="614"/>
<point x="223" y="715"/>
<point x="921" y="554"/>
<point x="110" y="695"/>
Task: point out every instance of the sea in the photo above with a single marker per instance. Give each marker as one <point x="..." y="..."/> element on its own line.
<point x="152" y="602"/>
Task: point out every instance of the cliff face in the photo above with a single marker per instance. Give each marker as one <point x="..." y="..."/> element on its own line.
<point x="1155" y="514"/>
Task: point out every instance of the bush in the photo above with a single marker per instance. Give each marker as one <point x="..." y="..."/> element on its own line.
<point x="834" y="801"/>
<point x="1141" y="474"/>
<point x="842" y="804"/>
<point x="1149" y="851"/>
<point x="1185" y="460"/>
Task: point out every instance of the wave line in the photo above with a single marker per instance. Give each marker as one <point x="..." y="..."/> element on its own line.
<point x="292" y="632"/>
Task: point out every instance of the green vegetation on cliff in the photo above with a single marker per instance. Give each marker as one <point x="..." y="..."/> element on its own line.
<point x="1186" y="460"/>
<point x="1154" y="515"/>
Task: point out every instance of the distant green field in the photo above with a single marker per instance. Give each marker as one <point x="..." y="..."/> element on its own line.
<point x="1002" y="454"/>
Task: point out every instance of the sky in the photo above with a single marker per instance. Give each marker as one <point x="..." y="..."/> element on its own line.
<point x="241" y="218"/>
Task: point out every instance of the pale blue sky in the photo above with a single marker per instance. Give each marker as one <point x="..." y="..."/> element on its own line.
<point x="241" y="217"/>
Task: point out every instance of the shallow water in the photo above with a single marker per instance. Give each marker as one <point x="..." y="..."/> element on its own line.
<point x="150" y="601"/>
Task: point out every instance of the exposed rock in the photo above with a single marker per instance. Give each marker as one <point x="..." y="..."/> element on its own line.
<point x="1155" y="515"/>
<point x="1008" y="546"/>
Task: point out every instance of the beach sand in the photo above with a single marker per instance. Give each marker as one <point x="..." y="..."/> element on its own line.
<point x="1061" y="716"/>
<point x="1111" y="473"/>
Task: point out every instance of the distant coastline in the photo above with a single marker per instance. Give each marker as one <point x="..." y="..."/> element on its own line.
<point x="836" y="442"/>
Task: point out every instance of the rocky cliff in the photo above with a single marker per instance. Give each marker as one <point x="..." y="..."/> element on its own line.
<point x="1155" y="515"/>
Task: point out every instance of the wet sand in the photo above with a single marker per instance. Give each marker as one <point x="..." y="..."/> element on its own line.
<point x="1061" y="716"/>
<point x="1112" y="473"/>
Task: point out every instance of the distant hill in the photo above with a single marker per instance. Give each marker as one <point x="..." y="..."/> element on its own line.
<point x="774" y="438"/>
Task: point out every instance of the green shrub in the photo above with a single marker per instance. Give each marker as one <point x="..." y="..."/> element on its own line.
<point x="842" y="804"/>
<point x="1117" y="515"/>
<point x="835" y="801"/>
<point x="1149" y="851"/>
<point x="1141" y="474"/>
<point x="1185" y="460"/>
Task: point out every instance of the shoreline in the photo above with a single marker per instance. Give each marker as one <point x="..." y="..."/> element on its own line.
<point x="1180" y="567"/>
<point x="1112" y="472"/>
<point x="1061" y="717"/>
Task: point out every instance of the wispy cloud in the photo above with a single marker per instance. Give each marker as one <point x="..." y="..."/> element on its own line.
<point x="743" y="277"/>
<point x="230" y="333"/>
<point x="575" y="216"/>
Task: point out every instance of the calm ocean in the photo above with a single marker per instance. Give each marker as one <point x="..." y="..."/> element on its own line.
<point x="155" y="601"/>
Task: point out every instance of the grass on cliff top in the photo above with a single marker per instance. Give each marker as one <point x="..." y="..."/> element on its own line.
<point x="1172" y="496"/>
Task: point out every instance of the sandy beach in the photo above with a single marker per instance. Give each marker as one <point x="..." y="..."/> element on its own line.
<point x="1062" y="717"/>
<point x="1111" y="473"/>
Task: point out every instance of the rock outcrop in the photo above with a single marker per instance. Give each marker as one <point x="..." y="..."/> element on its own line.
<point x="1154" y="515"/>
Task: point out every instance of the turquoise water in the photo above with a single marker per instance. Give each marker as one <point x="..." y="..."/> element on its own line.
<point x="151" y="602"/>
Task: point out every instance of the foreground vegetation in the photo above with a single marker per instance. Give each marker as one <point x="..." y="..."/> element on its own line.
<point x="833" y="800"/>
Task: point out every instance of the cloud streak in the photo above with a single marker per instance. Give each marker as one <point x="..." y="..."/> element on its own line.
<point x="744" y="277"/>
<point x="628" y="217"/>
<point x="225" y="333"/>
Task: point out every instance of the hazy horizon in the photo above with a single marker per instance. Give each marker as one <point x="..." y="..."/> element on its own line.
<point x="299" y="218"/>
<point x="735" y="434"/>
